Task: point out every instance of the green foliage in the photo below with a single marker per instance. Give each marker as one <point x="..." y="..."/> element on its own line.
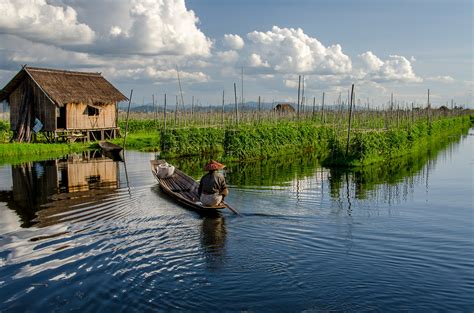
<point x="139" y="125"/>
<point x="5" y="132"/>
<point x="192" y="141"/>
<point x="13" y="152"/>
<point x="367" y="147"/>
<point x="270" y="139"/>
<point x="142" y="141"/>
<point x="4" y="126"/>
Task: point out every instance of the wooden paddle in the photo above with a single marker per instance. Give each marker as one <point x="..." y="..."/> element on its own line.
<point x="231" y="208"/>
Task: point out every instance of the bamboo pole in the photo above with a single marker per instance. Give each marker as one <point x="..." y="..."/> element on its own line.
<point x="302" y="97"/>
<point x="242" y="89"/>
<point x="236" y="106"/>
<point x="153" y="106"/>
<point x="323" y="117"/>
<point x="192" y="108"/>
<point x="429" y="108"/>
<point x="298" y="106"/>
<point x="164" y="116"/>
<point x="223" y="102"/>
<point x="350" y="120"/>
<point x="176" y="113"/>
<point x="181" y="92"/>
<point x="126" y="121"/>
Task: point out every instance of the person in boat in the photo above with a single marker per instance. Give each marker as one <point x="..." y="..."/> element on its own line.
<point x="212" y="187"/>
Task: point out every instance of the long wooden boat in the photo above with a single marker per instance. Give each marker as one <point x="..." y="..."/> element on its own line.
<point x="182" y="189"/>
<point x="109" y="147"/>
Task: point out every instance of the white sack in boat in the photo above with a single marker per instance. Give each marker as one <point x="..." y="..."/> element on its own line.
<point x="165" y="170"/>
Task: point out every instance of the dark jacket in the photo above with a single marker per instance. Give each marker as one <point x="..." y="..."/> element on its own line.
<point x="213" y="183"/>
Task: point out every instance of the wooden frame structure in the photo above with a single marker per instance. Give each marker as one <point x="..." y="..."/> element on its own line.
<point x="62" y="105"/>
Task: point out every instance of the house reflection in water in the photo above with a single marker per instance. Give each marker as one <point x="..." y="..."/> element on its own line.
<point x="43" y="189"/>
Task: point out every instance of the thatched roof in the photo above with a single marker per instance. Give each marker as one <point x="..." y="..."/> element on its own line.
<point x="66" y="86"/>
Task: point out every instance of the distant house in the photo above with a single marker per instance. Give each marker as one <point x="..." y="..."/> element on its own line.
<point x="284" y="108"/>
<point x="62" y="105"/>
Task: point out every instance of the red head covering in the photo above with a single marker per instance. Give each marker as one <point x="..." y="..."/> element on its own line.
<point x="213" y="165"/>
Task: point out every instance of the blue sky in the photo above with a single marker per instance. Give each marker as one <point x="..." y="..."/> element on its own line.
<point x="404" y="47"/>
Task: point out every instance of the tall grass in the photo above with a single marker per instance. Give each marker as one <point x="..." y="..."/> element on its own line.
<point x="11" y="152"/>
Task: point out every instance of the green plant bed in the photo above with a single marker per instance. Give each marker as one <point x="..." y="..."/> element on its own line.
<point x="147" y="141"/>
<point x="16" y="152"/>
<point x="376" y="146"/>
<point x="192" y="141"/>
<point x="272" y="140"/>
<point x="265" y="140"/>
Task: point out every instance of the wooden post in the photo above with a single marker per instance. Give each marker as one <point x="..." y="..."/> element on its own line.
<point x="236" y="106"/>
<point x="242" y="90"/>
<point x="314" y="106"/>
<point x="164" y="116"/>
<point x="398" y="114"/>
<point x="298" y="106"/>
<point x="153" y="110"/>
<point x="302" y="97"/>
<point x="323" y="117"/>
<point x="429" y="108"/>
<point x="176" y="113"/>
<point x="223" y="102"/>
<point x="182" y="99"/>
<point x="350" y="120"/>
<point x="259" y="108"/>
<point x="126" y="121"/>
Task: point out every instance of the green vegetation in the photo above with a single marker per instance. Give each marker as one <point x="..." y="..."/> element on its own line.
<point x="193" y="141"/>
<point x="368" y="147"/>
<point x="368" y="178"/>
<point x="4" y="131"/>
<point x="21" y="152"/>
<point x="268" y="140"/>
<point x="375" y="136"/>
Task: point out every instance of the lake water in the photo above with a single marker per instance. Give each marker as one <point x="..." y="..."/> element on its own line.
<point x="86" y="234"/>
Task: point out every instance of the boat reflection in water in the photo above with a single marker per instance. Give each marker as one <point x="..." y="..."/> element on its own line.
<point x="213" y="238"/>
<point x="43" y="189"/>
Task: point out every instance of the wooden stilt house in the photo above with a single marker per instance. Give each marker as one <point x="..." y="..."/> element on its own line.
<point x="61" y="105"/>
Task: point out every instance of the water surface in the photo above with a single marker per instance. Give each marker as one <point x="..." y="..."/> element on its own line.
<point x="85" y="233"/>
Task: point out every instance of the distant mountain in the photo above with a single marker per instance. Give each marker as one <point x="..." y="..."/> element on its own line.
<point x="247" y="106"/>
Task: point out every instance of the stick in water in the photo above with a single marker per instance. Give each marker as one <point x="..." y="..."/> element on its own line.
<point x="231" y="208"/>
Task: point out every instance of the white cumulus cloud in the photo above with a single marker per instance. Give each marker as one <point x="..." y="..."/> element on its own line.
<point x="395" y="68"/>
<point x="255" y="60"/>
<point x="126" y="27"/>
<point x="151" y="73"/>
<point x="230" y="56"/>
<point x="234" y="42"/>
<point x="289" y="50"/>
<point x="39" y="21"/>
<point x="441" y="79"/>
<point x="158" y="27"/>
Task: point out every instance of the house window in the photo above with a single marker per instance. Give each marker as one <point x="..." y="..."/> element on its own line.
<point x="92" y="111"/>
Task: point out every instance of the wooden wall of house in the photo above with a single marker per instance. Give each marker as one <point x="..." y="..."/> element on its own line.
<point x="44" y="109"/>
<point x="14" y="100"/>
<point x="77" y="117"/>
